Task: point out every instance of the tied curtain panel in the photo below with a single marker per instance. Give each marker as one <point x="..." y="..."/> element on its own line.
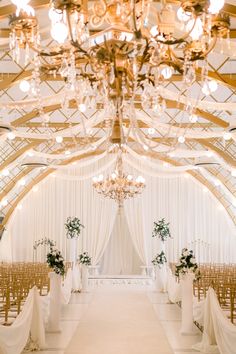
<point x="120" y="256"/>
<point x="44" y="214"/>
<point x="196" y="221"/>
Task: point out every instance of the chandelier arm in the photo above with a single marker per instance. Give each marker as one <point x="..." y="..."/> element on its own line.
<point x="176" y="40"/>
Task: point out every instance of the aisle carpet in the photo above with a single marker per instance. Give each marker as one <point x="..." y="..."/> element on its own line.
<point x="119" y="322"/>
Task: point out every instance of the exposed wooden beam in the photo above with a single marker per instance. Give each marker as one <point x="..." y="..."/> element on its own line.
<point x="169" y="103"/>
<point x="8" y="10"/>
<point x="228" y="159"/>
<point x="17" y="154"/>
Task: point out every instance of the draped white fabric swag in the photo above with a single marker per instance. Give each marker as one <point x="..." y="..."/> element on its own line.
<point x="194" y="215"/>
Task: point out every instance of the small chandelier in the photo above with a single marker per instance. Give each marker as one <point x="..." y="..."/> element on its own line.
<point x="119" y="186"/>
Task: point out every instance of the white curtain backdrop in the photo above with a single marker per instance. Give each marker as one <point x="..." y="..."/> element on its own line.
<point x="196" y="219"/>
<point x="120" y="256"/>
<point x="44" y="214"/>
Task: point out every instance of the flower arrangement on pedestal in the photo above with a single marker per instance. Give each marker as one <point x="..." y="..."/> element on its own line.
<point x="161" y="229"/>
<point x="84" y="259"/>
<point x="187" y="263"/>
<point x="55" y="261"/>
<point x="159" y="260"/>
<point x="73" y="227"/>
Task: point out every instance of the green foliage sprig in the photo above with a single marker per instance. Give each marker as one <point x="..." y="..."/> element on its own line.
<point x="44" y="241"/>
<point x="160" y="259"/>
<point x="84" y="258"/>
<point x="161" y="229"/>
<point x="73" y="227"/>
<point x="56" y="261"/>
<point x="187" y="263"/>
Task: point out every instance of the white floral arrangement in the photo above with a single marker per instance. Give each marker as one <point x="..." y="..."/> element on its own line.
<point x="84" y="258"/>
<point x="159" y="260"/>
<point x="73" y="227"/>
<point x="187" y="263"/>
<point x="56" y="261"/>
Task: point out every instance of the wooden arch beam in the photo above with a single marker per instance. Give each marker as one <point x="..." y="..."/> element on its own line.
<point x="171" y="104"/>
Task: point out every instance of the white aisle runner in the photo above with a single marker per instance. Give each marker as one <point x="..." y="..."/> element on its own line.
<point x="119" y="322"/>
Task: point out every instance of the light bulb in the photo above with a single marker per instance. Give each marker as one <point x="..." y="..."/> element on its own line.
<point x="154" y="31"/>
<point x="24" y="86"/>
<point x="82" y="107"/>
<point x="193" y="118"/>
<point x="22" y="182"/>
<point x="146" y="148"/>
<point x="227" y="136"/>
<point x="234" y="202"/>
<point x="181" y="139"/>
<point x="19" y="206"/>
<point x="213" y="85"/>
<point x="182" y="15"/>
<point x="197" y="30"/>
<point x="4" y="202"/>
<point x="55" y="15"/>
<point x="209" y="87"/>
<point x="140" y="179"/>
<point x="217" y="183"/>
<point x="59" y="139"/>
<point x="67" y="152"/>
<point x="167" y="72"/>
<point x="35" y="188"/>
<point x="95" y="179"/>
<point x="233" y="172"/>
<point x="209" y="153"/>
<point x="151" y="131"/>
<point x="11" y="136"/>
<point x="5" y="172"/>
<point x="216" y="6"/>
<point x="100" y="177"/>
<point x="113" y="175"/>
<point x="129" y="178"/>
<point x="205" y="189"/>
<point x="59" y="32"/>
<point x="30" y="153"/>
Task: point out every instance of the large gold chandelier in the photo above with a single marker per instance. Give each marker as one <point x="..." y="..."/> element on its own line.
<point x="113" y="53"/>
<point x="118" y="185"/>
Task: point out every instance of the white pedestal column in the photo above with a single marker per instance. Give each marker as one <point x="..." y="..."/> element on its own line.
<point x="161" y="276"/>
<point x="158" y="285"/>
<point x="73" y="250"/>
<point x="84" y="278"/>
<point x="55" y="303"/>
<point x="186" y="283"/>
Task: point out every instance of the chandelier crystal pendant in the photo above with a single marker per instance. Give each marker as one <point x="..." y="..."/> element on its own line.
<point x="118" y="185"/>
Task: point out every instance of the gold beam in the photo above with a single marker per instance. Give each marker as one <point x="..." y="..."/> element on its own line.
<point x="229" y="160"/>
<point x="39" y="178"/>
<point x="17" y="154"/>
<point x="170" y="104"/>
<point x="8" y="10"/>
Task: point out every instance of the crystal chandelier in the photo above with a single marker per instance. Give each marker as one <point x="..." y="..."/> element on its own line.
<point x="116" y="53"/>
<point x="118" y="185"/>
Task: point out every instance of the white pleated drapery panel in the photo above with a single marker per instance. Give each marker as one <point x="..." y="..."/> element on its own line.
<point x="120" y="256"/>
<point x="219" y="334"/>
<point x="196" y="218"/>
<point x="44" y="214"/>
